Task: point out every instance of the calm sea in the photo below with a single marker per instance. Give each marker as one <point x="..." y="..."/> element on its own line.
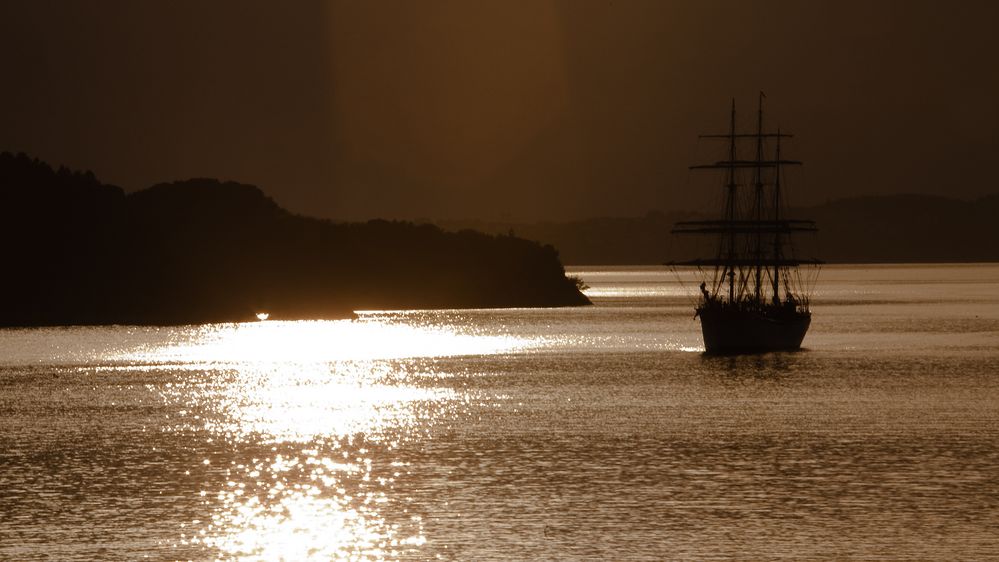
<point x="535" y="434"/>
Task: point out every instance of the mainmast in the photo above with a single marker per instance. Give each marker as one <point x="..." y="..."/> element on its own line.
<point x="730" y="206"/>
<point x="758" y="185"/>
<point x="777" y="252"/>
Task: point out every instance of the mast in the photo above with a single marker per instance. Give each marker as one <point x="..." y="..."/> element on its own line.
<point x="744" y="233"/>
<point x="777" y="256"/>
<point x="730" y="206"/>
<point x="758" y="184"/>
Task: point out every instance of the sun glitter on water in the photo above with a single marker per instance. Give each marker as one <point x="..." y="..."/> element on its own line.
<point x="307" y="513"/>
<point x="325" y="404"/>
<point x="367" y="338"/>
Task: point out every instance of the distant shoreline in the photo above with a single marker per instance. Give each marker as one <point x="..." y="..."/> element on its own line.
<point x="877" y="229"/>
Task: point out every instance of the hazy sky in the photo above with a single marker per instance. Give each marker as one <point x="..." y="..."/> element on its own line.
<point x="499" y="109"/>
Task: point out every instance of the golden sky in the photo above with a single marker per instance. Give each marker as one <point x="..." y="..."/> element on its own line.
<point x="499" y="109"/>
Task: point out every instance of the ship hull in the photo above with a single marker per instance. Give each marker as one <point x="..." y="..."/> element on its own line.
<point x="728" y="330"/>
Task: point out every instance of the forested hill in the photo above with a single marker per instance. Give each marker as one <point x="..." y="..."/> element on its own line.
<point x="81" y="252"/>
<point x="889" y="229"/>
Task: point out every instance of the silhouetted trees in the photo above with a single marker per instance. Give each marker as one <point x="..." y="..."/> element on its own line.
<point x="81" y="252"/>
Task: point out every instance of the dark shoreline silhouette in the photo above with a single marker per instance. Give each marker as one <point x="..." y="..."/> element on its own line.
<point x="201" y="250"/>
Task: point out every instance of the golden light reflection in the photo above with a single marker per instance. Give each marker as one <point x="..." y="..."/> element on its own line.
<point x="316" y="398"/>
<point x="299" y="403"/>
<point x="300" y="508"/>
<point x="332" y="498"/>
<point x="296" y="381"/>
<point x="316" y="341"/>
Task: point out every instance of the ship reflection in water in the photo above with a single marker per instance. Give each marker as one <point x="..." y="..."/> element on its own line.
<point x="324" y="407"/>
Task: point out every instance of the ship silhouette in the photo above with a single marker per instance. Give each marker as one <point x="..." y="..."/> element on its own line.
<point x="753" y="294"/>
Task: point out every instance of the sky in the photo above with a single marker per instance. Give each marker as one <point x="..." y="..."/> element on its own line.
<point x="500" y="109"/>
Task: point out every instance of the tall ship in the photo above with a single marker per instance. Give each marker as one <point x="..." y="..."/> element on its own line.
<point x="754" y="293"/>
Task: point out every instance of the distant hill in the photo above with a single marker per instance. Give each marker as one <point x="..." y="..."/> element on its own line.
<point x="81" y="252"/>
<point x="908" y="228"/>
<point x="899" y="228"/>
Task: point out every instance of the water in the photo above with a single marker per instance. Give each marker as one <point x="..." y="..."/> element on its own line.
<point x="588" y="433"/>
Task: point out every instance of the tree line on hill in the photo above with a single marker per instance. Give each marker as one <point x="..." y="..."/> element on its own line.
<point x="83" y="252"/>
